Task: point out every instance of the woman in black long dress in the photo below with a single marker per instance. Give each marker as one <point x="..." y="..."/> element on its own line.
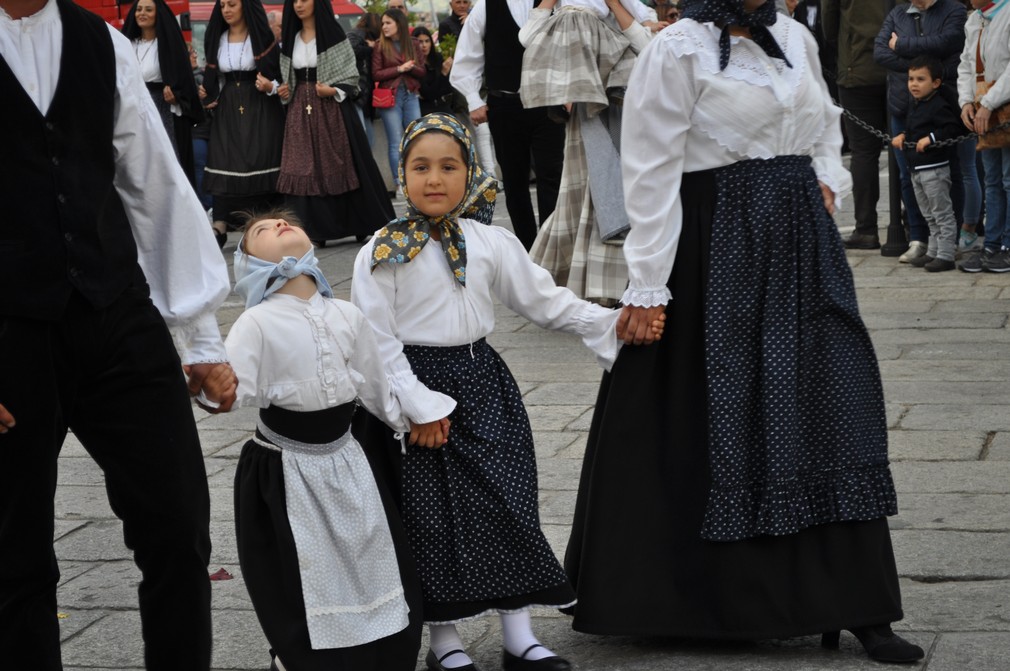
<point x="328" y="175"/>
<point x="240" y="85"/>
<point x="736" y="482"/>
<point x="164" y="63"/>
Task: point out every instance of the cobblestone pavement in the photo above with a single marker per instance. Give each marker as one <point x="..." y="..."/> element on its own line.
<point x="944" y="348"/>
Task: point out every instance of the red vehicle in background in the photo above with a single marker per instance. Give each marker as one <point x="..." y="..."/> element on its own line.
<point x="115" y="11"/>
<point x="347" y="14"/>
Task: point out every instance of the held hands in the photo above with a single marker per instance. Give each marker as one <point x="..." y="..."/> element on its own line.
<point x="6" y="420"/>
<point x="829" y="197"/>
<point x="170" y="95"/>
<point x="479" y="115"/>
<point x="641" y="326"/>
<point x="431" y="434"/>
<point x="217" y="381"/>
<point x="284" y="91"/>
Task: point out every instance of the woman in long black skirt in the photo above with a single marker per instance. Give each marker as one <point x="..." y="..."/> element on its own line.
<point x="240" y="85"/>
<point x="736" y="482"/>
<point x="164" y="64"/>
<point x="328" y="176"/>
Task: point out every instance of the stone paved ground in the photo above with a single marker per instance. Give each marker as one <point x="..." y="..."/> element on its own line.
<point x="944" y="347"/>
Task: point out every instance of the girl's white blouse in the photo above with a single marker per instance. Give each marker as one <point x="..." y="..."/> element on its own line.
<point x="420" y="303"/>
<point x="682" y="114"/>
<point x="314" y="354"/>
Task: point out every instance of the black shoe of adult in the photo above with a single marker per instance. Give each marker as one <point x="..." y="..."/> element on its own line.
<point x="880" y="643"/>
<point x="861" y="241"/>
<point x="553" y="663"/>
<point x="435" y="663"/>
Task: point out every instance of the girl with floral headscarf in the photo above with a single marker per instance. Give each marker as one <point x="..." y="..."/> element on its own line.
<point x="753" y="481"/>
<point x="427" y="284"/>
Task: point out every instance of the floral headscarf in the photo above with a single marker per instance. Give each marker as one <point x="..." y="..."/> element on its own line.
<point x="730" y="12"/>
<point x="403" y="239"/>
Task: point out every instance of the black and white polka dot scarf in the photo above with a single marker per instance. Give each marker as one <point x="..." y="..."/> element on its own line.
<point x="725" y="13"/>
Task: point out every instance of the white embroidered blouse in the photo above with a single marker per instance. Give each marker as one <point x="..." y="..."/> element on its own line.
<point x="420" y="303"/>
<point x="314" y="354"/>
<point x="682" y="114"/>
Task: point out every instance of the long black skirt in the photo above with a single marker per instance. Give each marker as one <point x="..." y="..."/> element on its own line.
<point x="244" y="150"/>
<point x="637" y="557"/>
<point x="358" y="212"/>
<point x="179" y="129"/>
<point x="269" y="562"/>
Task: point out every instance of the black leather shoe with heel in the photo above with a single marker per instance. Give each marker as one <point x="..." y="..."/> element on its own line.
<point x="880" y="643"/>
<point x="512" y="662"/>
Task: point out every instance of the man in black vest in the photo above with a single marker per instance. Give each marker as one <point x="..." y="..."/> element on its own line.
<point x="492" y="28"/>
<point x="96" y="207"/>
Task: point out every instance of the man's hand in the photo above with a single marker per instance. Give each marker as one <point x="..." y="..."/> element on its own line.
<point x="217" y="381"/>
<point x="479" y="115"/>
<point x="6" y="420"/>
<point x="637" y="325"/>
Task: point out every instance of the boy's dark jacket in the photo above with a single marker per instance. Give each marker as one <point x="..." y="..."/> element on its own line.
<point x="937" y="116"/>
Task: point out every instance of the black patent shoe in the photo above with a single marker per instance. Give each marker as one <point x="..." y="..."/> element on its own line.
<point x="554" y="663"/>
<point x="435" y="663"/>
<point x="880" y="643"/>
<point x="861" y="241"/>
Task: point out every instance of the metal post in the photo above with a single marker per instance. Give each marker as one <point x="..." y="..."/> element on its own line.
<point x="896" y="243"/>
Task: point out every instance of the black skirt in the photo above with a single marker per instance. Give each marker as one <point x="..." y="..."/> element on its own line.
<point x="244" y="150"/>
<point x="269" y="559"/>
<point x="470" y="507"/>
<point x="637" y="556"/>
<point x="179" y="129"/>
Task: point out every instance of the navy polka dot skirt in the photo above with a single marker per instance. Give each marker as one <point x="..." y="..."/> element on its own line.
<point x="735" y="483"/>
<point x="797" y="429"/>
<point x="470" y="507"/>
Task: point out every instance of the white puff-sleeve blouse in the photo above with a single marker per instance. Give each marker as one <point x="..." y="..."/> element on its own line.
<point x="307" y="355"/>
<point x="421" y="303"/>
<point x="682" y="114"/>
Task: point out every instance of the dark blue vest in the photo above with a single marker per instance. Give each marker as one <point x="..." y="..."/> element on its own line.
<point x="63" y="227"/>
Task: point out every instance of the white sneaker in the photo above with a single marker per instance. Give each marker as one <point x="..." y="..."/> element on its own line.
<point x="915" y="250"/>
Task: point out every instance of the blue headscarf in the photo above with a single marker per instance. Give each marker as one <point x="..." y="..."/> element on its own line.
<point x="255" y="279"/>
<point x="730" y="12"/>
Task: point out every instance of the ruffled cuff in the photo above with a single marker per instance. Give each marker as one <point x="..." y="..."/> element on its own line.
<point x="419" y="404"/>
<point x="646" y="298"/>
<point x="598" y="328"/>
<point x="199" y="340"/>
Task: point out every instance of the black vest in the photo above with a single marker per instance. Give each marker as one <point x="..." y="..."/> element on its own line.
<point x="503" y="53"/>
<point x="63" y="227"/>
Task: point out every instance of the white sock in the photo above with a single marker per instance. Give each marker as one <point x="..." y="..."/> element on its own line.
<point x="518" y="636"/>
<point x="444" y="639"/>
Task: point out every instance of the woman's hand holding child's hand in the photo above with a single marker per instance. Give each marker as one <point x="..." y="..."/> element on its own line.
<point x="218" y="383"/>
<point x="430" y="434"/>
<point x="641" y="326"/>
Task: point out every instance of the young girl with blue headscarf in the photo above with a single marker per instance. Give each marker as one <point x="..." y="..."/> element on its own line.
<point x="320" y="543"/>
<point x="427" y="285"/>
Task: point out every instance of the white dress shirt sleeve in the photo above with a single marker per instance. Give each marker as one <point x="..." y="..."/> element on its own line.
<point x="530" y="291"/>
<point x="657" y="118"/>
<point x="175" y="246"/>
<point x="375" y="295"/>
<point x="375" y="393"/>
<point x="467" y="74"/>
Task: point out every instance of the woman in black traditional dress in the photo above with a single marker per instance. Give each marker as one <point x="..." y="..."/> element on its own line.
<point x="736" y="482"/>
<point x="164" y="63"/>
<point x="328" y="175"/>
<point x="240" y="84"/>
